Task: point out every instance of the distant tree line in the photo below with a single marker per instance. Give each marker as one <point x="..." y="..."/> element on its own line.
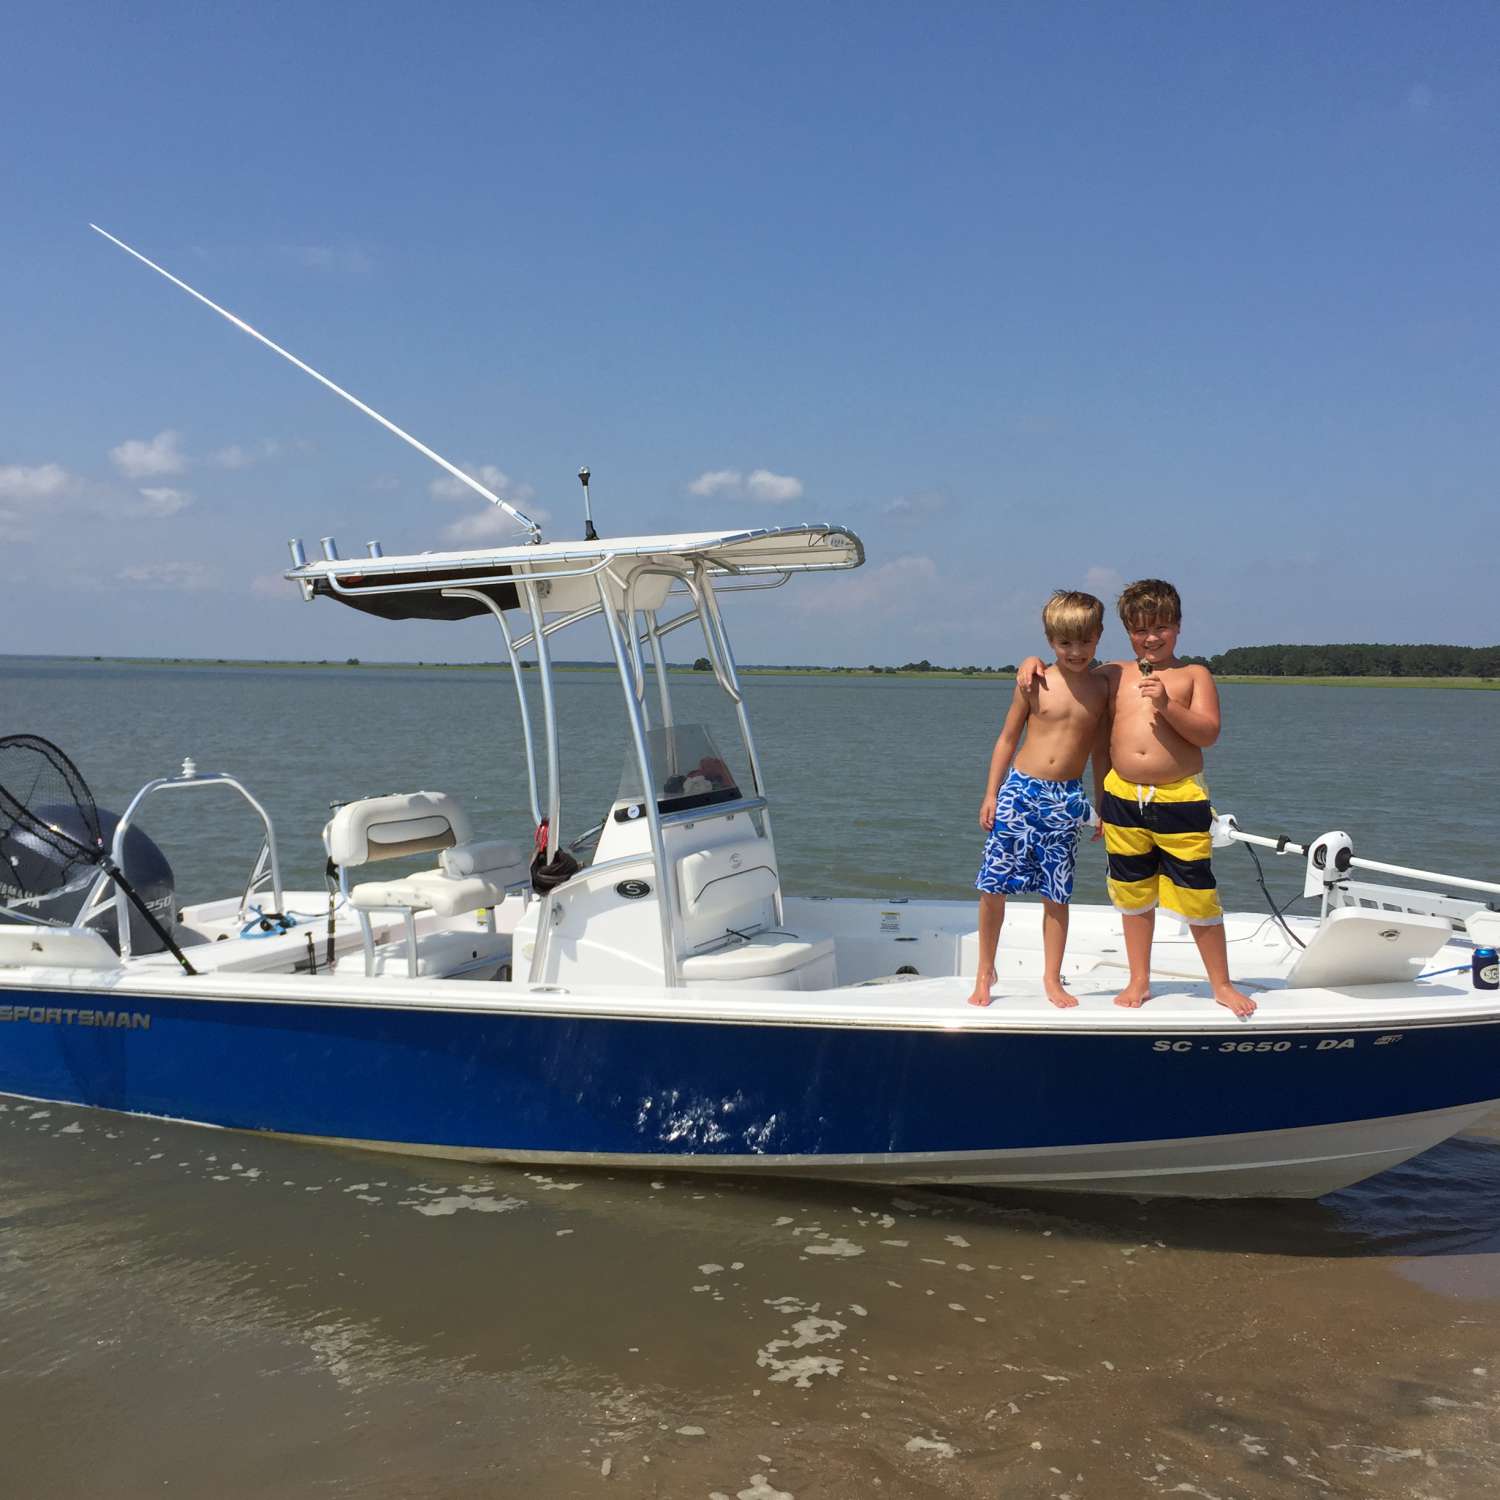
<point x="1259" y="661"/>
<point x="1357" y="660"/>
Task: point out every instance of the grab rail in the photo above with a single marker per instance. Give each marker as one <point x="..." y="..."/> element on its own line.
<point x="188" y="778"/>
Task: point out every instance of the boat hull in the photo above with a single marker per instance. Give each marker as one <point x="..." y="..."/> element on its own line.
<point x="1141" y="1111"/>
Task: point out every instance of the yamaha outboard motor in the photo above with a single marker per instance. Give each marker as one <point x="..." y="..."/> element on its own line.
<point x="28" y="863"/>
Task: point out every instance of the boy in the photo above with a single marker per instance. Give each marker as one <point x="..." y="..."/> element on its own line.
<point x="1033" y="813"/>
<point x="1155" y="809"/>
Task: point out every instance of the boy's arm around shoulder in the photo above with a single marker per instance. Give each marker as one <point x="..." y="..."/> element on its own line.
<point x="1196" y="716"/>
<point x="1100" y="752"/>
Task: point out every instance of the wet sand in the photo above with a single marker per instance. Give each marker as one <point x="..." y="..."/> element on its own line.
<point x="193" y="1312"/>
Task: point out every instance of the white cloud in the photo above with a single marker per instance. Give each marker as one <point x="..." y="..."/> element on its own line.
<point x="773" y="489"/>
<point x="717" y="482"/>
<point x="489" y="525"/>
<point x="43" y="482"/>
<point x="163" y="501"/>
<point x="274" y="586"/>
<point x="493" y="479"/>
<point x="139" y="458"/>
<point x="232" y="457"/>
<point x="758" y="484"/>
<point x="187" y="577"/>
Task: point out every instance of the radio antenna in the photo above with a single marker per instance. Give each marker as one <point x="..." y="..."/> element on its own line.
<point x="338" y="390"/>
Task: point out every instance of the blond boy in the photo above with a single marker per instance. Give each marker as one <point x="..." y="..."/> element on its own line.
<point x="1155" y="809"/>
<point x="1033" y="808"/>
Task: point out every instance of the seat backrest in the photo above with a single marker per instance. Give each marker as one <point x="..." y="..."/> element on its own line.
<point x="728" y="886"/>
<point x="389" y="827"/>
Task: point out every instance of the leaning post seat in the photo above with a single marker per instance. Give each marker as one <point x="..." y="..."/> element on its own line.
<point x="726" y="895"/>
<point x="471" y="873"/>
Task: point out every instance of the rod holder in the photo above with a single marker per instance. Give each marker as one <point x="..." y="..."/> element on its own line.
<point x="375" y="549"/>
<point x="298" y="551"/>
<point x="330" y="549"/>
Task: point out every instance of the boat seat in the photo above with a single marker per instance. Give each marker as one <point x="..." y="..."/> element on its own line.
<point x="771" y="960"/>
<point x="471" y="874"/>
<point x="726" y="888"/>
<point x="391" y="827"/>
<point x="468" y="877"/>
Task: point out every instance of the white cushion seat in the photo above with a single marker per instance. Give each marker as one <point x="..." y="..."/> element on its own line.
<point x="764" y="956"/>
<point x="389" y="827"/>
<point x="469" y="876"/>
<point x="472" y="874"/>
<point x="724" y="888"/>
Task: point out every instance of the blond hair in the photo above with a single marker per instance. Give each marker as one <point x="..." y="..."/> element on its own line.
<point x="1071" y="616"/>
<point x="1150" y="601"/>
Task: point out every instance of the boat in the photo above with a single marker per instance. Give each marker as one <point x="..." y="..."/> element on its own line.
<point x="645" y="993"/>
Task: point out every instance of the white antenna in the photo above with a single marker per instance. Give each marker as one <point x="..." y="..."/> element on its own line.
<point x="369" y="411"/>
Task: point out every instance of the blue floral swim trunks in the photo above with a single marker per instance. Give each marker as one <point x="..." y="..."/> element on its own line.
<point x="1034" y="841"/>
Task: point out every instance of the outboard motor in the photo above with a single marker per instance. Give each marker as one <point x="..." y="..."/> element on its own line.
<point x="27" y="863"/>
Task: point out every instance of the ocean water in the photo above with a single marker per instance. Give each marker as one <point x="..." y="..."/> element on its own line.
<point x="185" y="1311"/>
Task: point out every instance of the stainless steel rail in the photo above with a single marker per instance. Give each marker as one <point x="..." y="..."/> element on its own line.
<point x="190" y="779"/>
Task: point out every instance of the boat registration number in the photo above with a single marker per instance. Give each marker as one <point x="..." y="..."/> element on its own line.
<point x="1313" y="1044"/>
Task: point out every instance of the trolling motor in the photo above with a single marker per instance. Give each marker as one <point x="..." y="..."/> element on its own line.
<point x="1328" y="860"/>
<point x="589" y="534"/>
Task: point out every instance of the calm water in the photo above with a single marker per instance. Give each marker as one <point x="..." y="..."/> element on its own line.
<point x="188" y="1312"/>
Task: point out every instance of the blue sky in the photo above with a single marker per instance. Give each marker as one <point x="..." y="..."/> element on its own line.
<point x="1027" y="295"/>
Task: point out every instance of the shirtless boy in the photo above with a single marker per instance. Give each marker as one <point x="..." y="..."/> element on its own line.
<point x="1033" y="813"/>
<point x="1155" y="808"/>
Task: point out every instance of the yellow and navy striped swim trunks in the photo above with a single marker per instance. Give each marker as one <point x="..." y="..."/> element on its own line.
<point x="1159" y="845"/>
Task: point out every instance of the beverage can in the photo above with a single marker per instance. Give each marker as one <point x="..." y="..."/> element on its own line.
<point x="1486" y="969"/>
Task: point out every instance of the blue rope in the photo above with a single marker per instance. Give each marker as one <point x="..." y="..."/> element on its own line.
<point x="278" y="923"/>
<point x="1454" y="970"/>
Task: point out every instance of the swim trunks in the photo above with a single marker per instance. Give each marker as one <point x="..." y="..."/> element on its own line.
<point x="1034" y="841"/>
<point x="1159" y="845"/>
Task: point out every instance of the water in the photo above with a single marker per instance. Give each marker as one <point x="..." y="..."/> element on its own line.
<point x="190" y="1312"/>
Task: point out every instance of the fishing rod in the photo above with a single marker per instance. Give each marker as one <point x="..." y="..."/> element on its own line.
<point x="522" y="520"/>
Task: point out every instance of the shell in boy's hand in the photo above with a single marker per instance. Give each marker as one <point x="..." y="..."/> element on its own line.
<point x="1146" y="669"/>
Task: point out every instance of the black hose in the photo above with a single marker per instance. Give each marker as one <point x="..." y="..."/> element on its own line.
<point x="1278" y="912"/>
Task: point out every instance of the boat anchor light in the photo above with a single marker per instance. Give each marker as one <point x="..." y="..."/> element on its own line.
<point x="589" y="534"/>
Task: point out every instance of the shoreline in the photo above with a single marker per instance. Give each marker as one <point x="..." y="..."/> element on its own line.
<point x="1461" y="684"/>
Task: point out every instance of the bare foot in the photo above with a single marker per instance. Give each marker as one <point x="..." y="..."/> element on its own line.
<point x="983" y="984"/>
<point x="1135" y="994"/>
<point x="1058" y="995"/>
<point x="1232" y="999"/>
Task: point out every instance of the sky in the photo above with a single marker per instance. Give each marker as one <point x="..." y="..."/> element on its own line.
<point x="1027" y="295"/>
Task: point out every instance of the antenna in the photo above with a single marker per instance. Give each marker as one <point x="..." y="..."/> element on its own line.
<point x="589" y="534"/>
<point x="369" y="411"/>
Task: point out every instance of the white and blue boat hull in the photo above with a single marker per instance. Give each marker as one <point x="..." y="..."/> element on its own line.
<point x="1124" y="1105"/>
